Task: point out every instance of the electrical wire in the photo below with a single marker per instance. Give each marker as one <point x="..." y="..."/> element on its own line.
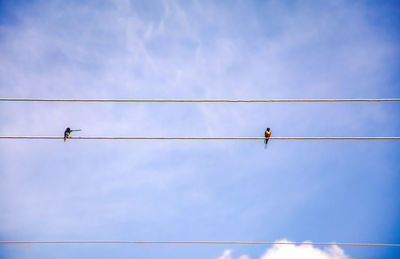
<point x="200" y="138"/>
<point x="197" y="100"/>
<point x="198" y="242"/>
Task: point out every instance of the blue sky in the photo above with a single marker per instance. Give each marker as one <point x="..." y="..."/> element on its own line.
<point x="320" y="191"/>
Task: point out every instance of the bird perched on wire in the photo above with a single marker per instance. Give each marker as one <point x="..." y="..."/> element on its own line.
<point x="267" y="136"/>
<point x="67" y="133"/>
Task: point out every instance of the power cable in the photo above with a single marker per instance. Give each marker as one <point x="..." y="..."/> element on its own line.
<point x="198" y="242"/>
<point x="200" y="138"/>
<point x="197" y="100"/>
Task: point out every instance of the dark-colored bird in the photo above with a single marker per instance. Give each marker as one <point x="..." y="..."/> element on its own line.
<point x="267" y="136"/>
<point x="67" y="132"/>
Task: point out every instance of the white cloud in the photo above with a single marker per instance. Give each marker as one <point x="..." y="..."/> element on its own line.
<point x="227" y="255"/>
<point x="295" y="252"/>
<point x="303" y="251"/>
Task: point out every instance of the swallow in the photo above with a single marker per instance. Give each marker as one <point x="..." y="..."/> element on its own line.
<point x="267" y="136"/>
<point x="67" y="133"/>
